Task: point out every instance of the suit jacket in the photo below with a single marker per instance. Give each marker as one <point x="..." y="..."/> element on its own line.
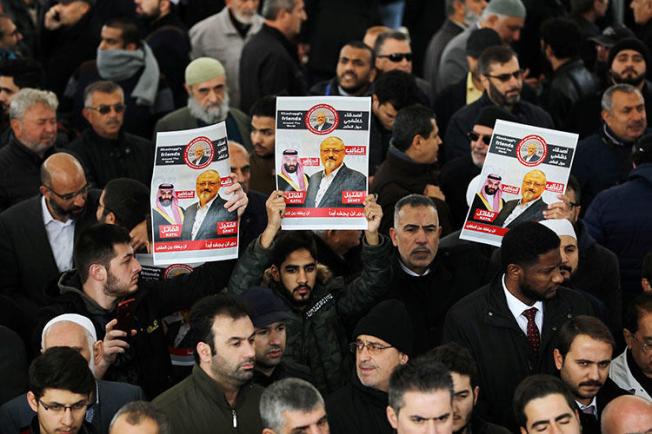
<point x="533" y="213"/>
<point x="27" y="263"/>
<point x="17" y="413"/>
<point x="208" y="229"/>
<point x="324" y="127"/>
<point x="346" y="179"/>
<point x="201" y="161"/>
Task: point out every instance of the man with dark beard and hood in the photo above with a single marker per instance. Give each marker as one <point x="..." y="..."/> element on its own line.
<point x="515" y="318"/>
<point x="292" y="177"/>
<point x="208" y="103"/>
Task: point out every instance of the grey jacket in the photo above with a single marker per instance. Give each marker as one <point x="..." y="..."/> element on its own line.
<point x="346" y="179"/>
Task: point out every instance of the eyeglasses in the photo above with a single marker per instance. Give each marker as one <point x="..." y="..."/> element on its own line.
<point x="69" y="196"/>
<point x="60" y="408"/>
<point x="474" y="137"/>
<point x="518" y="74"/>
<point x="372" y="347"/>
<point x="105" y="109"/>
<point x="647" y="348"/>
<point x="396" y="57"/>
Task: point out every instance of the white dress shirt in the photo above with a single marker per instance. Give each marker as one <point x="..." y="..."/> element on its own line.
<point x="61" y="237"/>
<point x="200" y="216"/>
<point x="517" y="307"/>
<point x="326" y="182"/>
<point x="517" y="211"/>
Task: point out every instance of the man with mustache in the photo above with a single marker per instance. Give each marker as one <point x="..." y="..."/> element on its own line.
<point x="105" y="149"/>
<point x="582" y="355"/>
<point x="529" y="207"/>
<point x="201" y="218"/>
<point x="325" y="188"/>
<point x="382" y="341"/>
<point x="521" y="309"/>
<point x="604" y="159"/>
<point x="292" y="177"/>
<point x="354" y="73"/>
<point x="269" y="314"/>
<point x="218" y="396"/>
<point x="167" y="211"/>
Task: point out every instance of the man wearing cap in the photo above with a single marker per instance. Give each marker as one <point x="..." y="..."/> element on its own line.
<point x="77" y="332"/>
<point x="268" y="312"/>
<point x="292" y="177"/>
<point x="456" y="174"/>
<point x="506" y="17"/>
<point x="208" y="103"/>
<point x="603" y="44"/>
<point x="618" y="218"/>
<point x="382" y="341"/>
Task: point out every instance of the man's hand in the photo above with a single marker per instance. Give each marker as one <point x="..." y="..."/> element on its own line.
<point x="373" y="213"/>
<point x="138" y="236"/>
<point x="559" y="210"/>
<point x="114" y="343"/>
<point x="275" y="206"/>
<point x="434" y="192"/>
<point x="52" y="18"/>
<point x="239" y="200"/>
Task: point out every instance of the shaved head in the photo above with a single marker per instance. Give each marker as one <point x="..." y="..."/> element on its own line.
<point x="627" y="414"/>
<point x="60" y="165"/>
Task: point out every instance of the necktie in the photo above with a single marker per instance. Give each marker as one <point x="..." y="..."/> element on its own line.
<point x="589" y="410"/>
<point x="533" y="337"/>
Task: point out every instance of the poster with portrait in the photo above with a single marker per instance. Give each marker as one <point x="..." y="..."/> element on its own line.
<point x="189" y="220"/>
<point x="525" y="170"/>
<point x="322" y="161"/>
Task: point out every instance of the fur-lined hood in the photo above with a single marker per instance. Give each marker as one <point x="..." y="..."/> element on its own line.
<point x="324" y="276"/>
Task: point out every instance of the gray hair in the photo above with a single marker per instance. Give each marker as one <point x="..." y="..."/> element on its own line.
<point x="26" y="98"/>
<point x="413" y="200"/>
<point x="608" y="95"/>
<point x="137" y="411"/>
<point x="101" y="86"/>
<point x="395" y="34"/>
<point x="271" y="8"/>
<point x="290" y="394"/>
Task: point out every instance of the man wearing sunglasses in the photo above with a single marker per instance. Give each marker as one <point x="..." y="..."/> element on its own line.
<point x="383" y="341"/>
<point x="105" y="150"/>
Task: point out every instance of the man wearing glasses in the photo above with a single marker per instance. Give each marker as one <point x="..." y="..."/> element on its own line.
<point x="105" y="150"/>
<point x="632" y="370"/>
<point x="383" y="340"/>
<point x="61" y="386"/>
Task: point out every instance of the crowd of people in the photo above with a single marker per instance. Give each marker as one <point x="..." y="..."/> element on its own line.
<point x="401" y="328"/>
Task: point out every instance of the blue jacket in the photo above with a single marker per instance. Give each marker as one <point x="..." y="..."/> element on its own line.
<point x="619" y="219"/>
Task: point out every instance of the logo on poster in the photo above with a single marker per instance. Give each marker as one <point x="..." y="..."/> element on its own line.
<point x="227" y="228"/>
<point x="321" y="119"/>
<point x="531" y="150"/>
<point x="199" y="152"/>
<point x="169" y="231"/>
<point x="294" y="197"/>
<point x="353" y="197"/>
<point x="176" y="270"/>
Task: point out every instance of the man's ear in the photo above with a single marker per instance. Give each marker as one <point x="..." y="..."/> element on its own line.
<point x="97" y="272"/>
<point x="31" y="400"/>
<point x="15" y="126"/>
<point x="558" y="358"/>
<point x="628" y="338"/>
<point x="604" y="114"/>
<point x="275" y="273"/>
<point x="204" y="351"/>
<point x="110" y="218"/>
<point x="268" y="431"/>
<point x="392" y="236"/>
<point x="98" y="351"/>
<point x="86" y="113"/>
<point x="476" y="394"/>
<point x="392" y="417"/>
<point x="374" y="102"/>
<point x="403" y="358"/>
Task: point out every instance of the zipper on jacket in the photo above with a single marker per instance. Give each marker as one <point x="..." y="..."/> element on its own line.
<point x="235" y="419"/>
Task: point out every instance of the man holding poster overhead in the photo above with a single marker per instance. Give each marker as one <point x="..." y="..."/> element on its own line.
<point x="201" y="218"/>
<point x="326" y="187"/>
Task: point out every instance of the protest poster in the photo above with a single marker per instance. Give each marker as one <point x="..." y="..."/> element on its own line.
<point x="526" y="168"/>
<point x="189" y="221"/>
<point x="322" y="161"/>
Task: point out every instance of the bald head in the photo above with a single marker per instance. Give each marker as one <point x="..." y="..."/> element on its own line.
<point x="60" y="165"/>
<point x="63" y="184"/>
<point x="240" y="164"/>
<point x="627" y="415"/>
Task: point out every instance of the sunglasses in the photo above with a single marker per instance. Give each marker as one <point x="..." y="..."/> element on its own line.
<point x="105" y="109"/>
<point x="473" y="137"/>
<point x="508" y="76"/>
<point x="397" y="57"/>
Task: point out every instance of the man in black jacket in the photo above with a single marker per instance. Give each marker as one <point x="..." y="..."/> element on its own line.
<point x="383" y="341"/>
<point x="582" y="355"/>
<point x="510" y="324"/>
<point x="269" y="64"/>
<point x="354" y="74"/>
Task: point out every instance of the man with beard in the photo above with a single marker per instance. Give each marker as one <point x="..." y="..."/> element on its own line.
<point x="200" y="219"/>
<point x="33" y="121"/>
<point x="502" y="80"/>
<point x="464" y="372"/>
<point x="223" y="35"/>
<point x="582" y="355"/>
<point x="520" y="310"/>
<point x="105" y="150"/>
<point x="39" y="233"/>
<point x="604" y="159"/>
<point x="263" y="141"/>
<point x="529" y="207"/>
<point x="354" y="73"/>
<point x="167" y="36"/>
<point x="218" y="395"/>
<point x="319" y="305"/>
<point x="382" y="341"/>
<point x="292" y="177"/>
<point x="167" y="211"/>
<point x="269" y="313"/>
<point x="326" y="187"/>
<point x="489" y="198"/>
<point x="321" y="122"/>
<point x="208" y="103"/>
